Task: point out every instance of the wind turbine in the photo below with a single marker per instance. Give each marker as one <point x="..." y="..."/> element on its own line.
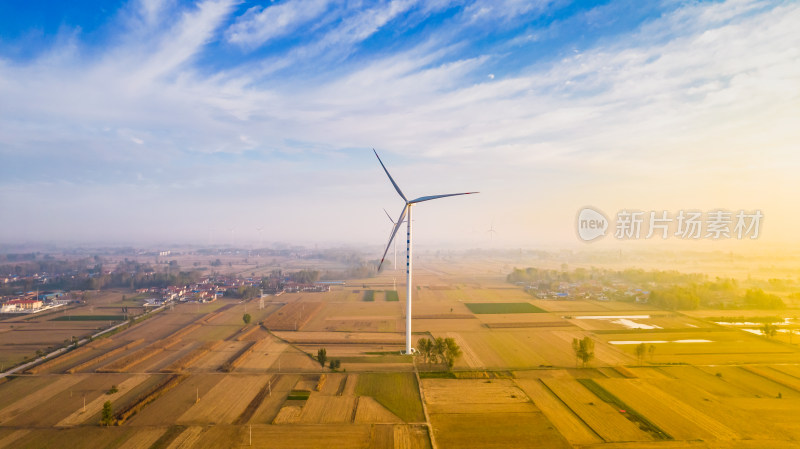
<point x="407" y="211"/>
<point x="491" y="231"/>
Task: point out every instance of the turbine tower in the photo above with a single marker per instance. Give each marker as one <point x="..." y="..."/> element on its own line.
<point x="491" y="231"/>
<point x="407" y="211"/>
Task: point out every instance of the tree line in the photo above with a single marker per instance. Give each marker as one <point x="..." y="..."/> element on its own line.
<point x="439" y="350"/>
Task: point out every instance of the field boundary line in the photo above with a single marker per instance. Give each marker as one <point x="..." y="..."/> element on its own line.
<point x="425" y="408"/>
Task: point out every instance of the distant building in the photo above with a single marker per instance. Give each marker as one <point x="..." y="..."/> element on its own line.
<point x="22" y="304"/>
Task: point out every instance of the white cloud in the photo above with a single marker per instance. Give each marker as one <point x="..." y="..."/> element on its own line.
<point x="708" y="101"/>
<point x="259" y="25"/>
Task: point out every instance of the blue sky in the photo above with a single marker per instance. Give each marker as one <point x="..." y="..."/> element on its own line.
<point x="158" y="121"/>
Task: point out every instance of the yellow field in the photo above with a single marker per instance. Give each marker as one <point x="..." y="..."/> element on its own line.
<point x="56" y="385"/>
<point x="216" y="406"/>
<point x="676" y="418"/>
<point x="565" y="420"/>
<point x="82" y="414"/>
<point x="604" y="419"/>
<point x="517" y="384"/>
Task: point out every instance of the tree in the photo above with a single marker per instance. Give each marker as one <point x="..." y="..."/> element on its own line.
<point x="322" y="356"/>
<point x="641" y="348"/>
<point x="108" y="414"/>
<point x="452" y="352"/>
<point x="425" y="348"/>
<point x="584" y="349"/>
<point x="757" y="299"/>
<point x="651" y="350"/>
<point x="769" y="329"/>
<point x="246" y="318"/>
<point x="439" y="349"/>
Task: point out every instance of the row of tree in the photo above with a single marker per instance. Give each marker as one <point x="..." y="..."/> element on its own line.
<point x="440" y="350"/>
<point x="322" y="357"/>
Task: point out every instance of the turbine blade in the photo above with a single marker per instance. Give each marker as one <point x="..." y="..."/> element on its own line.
<point x="387" y="214"/>
<point x="391" y="237"/>
<point x="390" y="176"/>
<point x="433" y="197"/>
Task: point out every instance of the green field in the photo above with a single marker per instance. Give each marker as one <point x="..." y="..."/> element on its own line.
<point x="502" y="307"/>
<point x="369" y="295"/>
<point x="90" y="318"/>
<point x="298" y="395"/>
<point x="398" y="392"/>
<point x="391" y="295"/>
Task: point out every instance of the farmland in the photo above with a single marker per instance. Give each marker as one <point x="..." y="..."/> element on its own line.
<point x="505" y="307"/>
<point x="195" y="375"/>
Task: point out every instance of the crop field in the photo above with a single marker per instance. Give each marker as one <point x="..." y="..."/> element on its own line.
<point x="701" y="348"/>
<point x="79" y="437"/>
<point x="70" y="400"/>
<point x="216" y="405"/>
<point x="495" y="430"/>
<point x="679" y="420"/>
<point x="603" y="418"/>
<point x="196" y="376"/>
<point x="398" y="392"/>
<point x="568" y="423"/>
<point x="174" y="403"/>
<point x="502" y="307"/>
<point x="93" y="408"/>
<point x="39" y="391"/>
<point x="746" y="423"/>
<point x="314" y="436"/>
<point x="263" y="355"/>
<point x="756" y="385"/>
<point x="486" y="413"/>
<point x="377" y="316"/>
<point x="526" y="348"/>
<point x="292" y="316"/>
